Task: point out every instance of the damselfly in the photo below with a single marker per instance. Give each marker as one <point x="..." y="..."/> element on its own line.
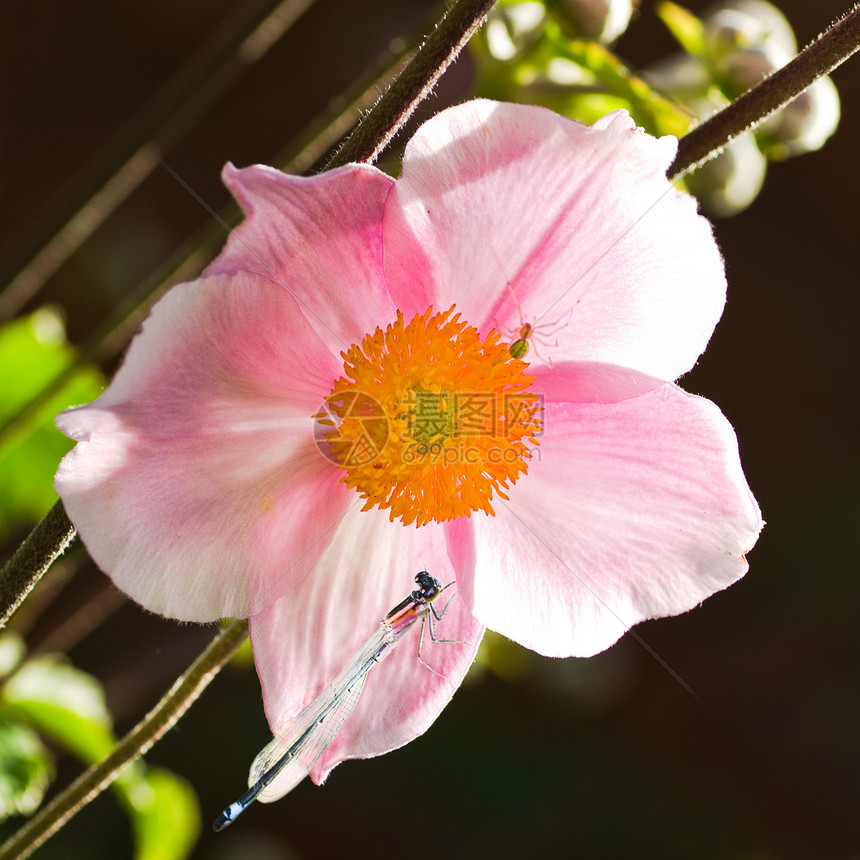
<point x="288" y="759"/>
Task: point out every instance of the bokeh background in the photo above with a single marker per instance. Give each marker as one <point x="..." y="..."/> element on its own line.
<point x="609" y="757"/>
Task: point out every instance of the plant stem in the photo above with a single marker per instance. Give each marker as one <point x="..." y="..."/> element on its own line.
<point x="153" y="726"/>
<point x="395" y="107"/>
<point x="371" y="136"/>
<point x="387" y="116"/>
<point x="830" y="49"/>
<point x="236" y="45"/>
<point x="112" y="336"/>
<point x="35" y="555"/>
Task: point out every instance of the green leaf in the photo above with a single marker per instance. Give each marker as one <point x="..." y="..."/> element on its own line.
<point x="26" y="769"/>
<point x="64" y="703"/>
<point x="165" y="816"/>
<point x="68" y="705"/>
<point x="34" y="352"/>
<point x="687" y="29"/>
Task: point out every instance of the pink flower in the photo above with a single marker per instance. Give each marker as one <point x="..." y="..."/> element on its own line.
<point x="221" y="472"/>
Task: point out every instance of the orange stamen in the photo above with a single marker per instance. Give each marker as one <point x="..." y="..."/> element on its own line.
<point x="460" y="420"/>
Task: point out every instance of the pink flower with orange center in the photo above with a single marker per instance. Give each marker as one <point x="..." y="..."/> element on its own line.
<point x="468" y="370"/>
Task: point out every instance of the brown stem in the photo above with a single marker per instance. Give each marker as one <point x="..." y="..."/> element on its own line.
<point x="395" y="107"/>
<point x="35" y="555"/>
<point x="153" y="726"/>
<point x="235" y="46"/>
<point x="829" y="50"/>
<point x="367" y="141"/>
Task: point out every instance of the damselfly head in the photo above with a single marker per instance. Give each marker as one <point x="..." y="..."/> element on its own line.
<point x="428" y="586"/>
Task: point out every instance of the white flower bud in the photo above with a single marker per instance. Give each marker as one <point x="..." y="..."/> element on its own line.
<point x="747" y="24"/>
<point x="727" y="184"/>
<point x="600" y="20"/>
<point x="511" y="27"/>
<point x="804" y="124"/>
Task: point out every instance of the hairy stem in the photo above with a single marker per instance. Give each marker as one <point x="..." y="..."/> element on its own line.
<point x="395" y="107"/>
<point x="35" y="555"/>
<point x="300" y="156"/>
<point x="830" y="49"/>
<point x="240" y="42"/>
<point x="153" y="726"/>
<point x="371" y="136"/>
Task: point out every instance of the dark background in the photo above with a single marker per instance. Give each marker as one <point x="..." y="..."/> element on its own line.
<point x="609" y="757"/>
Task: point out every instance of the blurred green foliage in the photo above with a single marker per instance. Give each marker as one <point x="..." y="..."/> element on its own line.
<point x="66" y="705"/>
<point x="532" y="59"/>
<point x="45" y="696"/>
<point x="25" y="769"/>
<point x="34" y="352"/>
<point x="688" y="30"/>
<point x="530" y="53"/>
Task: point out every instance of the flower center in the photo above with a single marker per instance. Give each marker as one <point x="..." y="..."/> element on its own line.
<point x="429" y="420"/>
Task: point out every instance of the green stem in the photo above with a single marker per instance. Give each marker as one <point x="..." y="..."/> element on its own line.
<point x="153" y="726"/>
<point x="35" y="555"/>
<point x="829" y="50"/>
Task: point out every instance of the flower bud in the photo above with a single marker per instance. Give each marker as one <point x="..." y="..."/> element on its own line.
<point x="511" y="27"/>
<point x="682" y="76"/>
<point x="804" y="124"/>
<point x="745" y="42"/>
<point x="599" y="20"/>
<point x="729" y="183"/>
<point x="746" y="24"/>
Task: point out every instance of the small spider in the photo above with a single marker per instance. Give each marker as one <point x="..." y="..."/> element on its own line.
<point x="530" y="335"/>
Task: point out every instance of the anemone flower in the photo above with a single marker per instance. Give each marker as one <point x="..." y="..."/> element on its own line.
<point x="469" y="370"/>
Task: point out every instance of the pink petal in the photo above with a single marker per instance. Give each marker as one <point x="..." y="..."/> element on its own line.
<point x="632" y="509"/>
<point x="320" y="238"/>
<point x="590" y="382"/>
<point x="519" y="215"/>
<point x="303" y="641"/>
<point x="196" y="483"/>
